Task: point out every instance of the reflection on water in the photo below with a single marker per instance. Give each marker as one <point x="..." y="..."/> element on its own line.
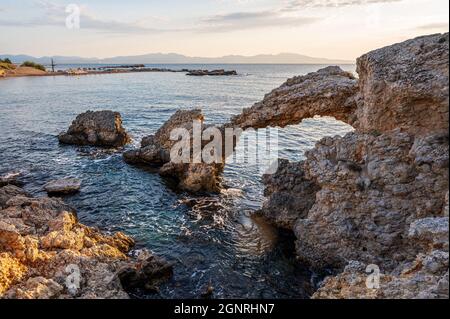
<point x="211" y="239"/>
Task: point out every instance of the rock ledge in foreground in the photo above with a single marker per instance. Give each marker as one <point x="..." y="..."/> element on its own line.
<point x="42" y="244"/>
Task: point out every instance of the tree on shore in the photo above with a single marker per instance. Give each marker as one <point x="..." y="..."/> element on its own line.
<point x="7" y="61"/>
<point x="34" y="65"/>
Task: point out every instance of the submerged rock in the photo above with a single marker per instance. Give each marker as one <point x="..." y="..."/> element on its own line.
<point x="100" y="128"/>
<point x="211" y="73"/>
<point x="327" y="92"/>
<point x="377" y="196"/>
<point x="46" y="253"/>
<point x="63" y="186"/>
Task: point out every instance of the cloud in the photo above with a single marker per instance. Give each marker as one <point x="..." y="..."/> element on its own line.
<point x="295" y="5"/>
<point x="434" y="26"/>
<point x="55" y="15"/>
<point x="249" y="20"/>
<point x="286" y="15"/>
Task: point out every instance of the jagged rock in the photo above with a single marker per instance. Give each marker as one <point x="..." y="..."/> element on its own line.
<point x="431" y="231"/>
<point x="360" y="196"/>
<point x="405" y="86"/>
<point x="45" y="253"/>
<point x="100" y="128"/>
<point x="424" y="278"/>
<point x="63" y="186"/>
<point x="148" y="275"/>
<point x="156" y="150"/>
<point x="10" y="179"/>
<point x="401" y="86"/>
<point x="327" y="92"/>
<point x="9" y="191"/>
<point x="37" y="288"/>
<point x="11" y="271"/>
<point x="371" y="189"/>
<point x="415" y="282"/>
<point x="290" y="195"/>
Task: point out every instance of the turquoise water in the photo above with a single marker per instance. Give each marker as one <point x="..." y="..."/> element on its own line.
<point x="213" y="240"/>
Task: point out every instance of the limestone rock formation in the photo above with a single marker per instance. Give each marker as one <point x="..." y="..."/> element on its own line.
<point x="63" y="186"/>
<point x="405" y="86"/>
<point x="45" y="253"/>
<point x="220" y="72"/>
<point x="9" y="191"/>
<point x="290" y="194"/>
<point x="401" y="86"/>
<point x="426" y="277"/>
<point x="371" y="189"/>
<point x="155" y="150"/>
<point x="376" y="196"/>
<point x="100" y="128"/>
<point x="327" y="92"/>
<point x="148" y="274"/>
<point x="10" y="179"/>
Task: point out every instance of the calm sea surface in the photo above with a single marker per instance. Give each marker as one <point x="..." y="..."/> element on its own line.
<point x="214" y="240"/>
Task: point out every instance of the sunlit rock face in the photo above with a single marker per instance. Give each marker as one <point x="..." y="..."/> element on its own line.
<point x="45" y="253"/>
<point x="100" y="128"/>
<point x="355" y="198"/>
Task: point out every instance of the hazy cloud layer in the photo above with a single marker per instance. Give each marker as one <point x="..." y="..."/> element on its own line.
<point x="434" y="26"/>
<point x="249" y="20"/>
<point x="55" y="15"/>
<point x="295" y="5"/>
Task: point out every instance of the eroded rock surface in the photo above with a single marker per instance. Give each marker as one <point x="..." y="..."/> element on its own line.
<point x="405" y="86"/>
<point x="45" y="253"/>
<point x="376" y="196"/>
<point x="426" y="277"/>
<point x="10" y="179"/>
<point x="371" y="189"/>
<point x="400" y="86"/>
<point x="327" y="92"/>
<point x="100" y="128"/>
<point x="290" y="194"/>
<point x="155" y="150"/>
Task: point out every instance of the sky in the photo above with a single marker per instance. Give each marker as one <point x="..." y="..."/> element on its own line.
<point x="338" y="29"/>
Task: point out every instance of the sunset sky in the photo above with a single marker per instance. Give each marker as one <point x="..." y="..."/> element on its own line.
<point x="342" y="29"/>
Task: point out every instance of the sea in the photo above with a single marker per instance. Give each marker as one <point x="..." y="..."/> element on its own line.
<point x="212" y="239"/>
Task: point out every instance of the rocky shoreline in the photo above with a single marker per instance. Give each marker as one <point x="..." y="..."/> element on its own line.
<point x="45" y="253"/>
<point x="371" y="205"/>
<point x="376" y="198"/>
<point x="26" y="71"/>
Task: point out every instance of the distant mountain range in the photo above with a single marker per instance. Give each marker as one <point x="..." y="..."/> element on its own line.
<point x="173" y="58"/>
